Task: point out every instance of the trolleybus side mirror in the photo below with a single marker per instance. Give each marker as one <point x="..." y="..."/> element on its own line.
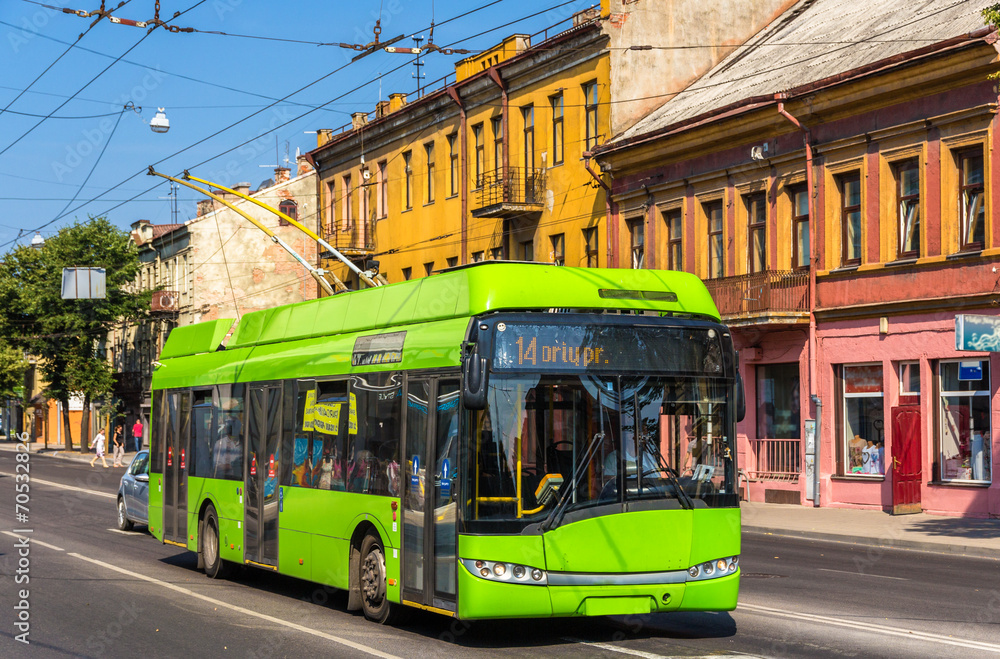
<point x="741" y="398"/>
<point x="475" y="380"/>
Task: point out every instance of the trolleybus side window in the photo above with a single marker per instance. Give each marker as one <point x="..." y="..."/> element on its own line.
<point x="227" y="452"/>
<point x="203" y="434"/>
<point x="325" y="459"/>
<point x="373" y="439"/>
<point x="303" y="444"/>
<point x="156" y="432"/>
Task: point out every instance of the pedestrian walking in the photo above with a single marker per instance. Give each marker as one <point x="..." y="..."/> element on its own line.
<point x="98" y="445"/>
<point x="137" y="434"/>
<point x="118" y="443"/>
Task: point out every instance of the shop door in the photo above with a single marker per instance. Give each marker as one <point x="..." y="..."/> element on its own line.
<point x="906" y="459"/>
<point x="175" y="451"/>
<point x="262" y="466"/>
<point x="430" y="496"/>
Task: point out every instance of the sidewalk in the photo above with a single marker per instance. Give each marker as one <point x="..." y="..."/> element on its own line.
<point x="922" y="532"/>
<point x="59" y="451"/>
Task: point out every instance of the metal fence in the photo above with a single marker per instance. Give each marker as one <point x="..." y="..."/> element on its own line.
<point x="520" y="186"/>
<point x="771" y="290"/>
<point x="350" y="236"/>
<point x="774" y="460"/>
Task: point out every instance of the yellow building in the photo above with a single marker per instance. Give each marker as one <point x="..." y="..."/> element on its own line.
<point x="488" y="167"/>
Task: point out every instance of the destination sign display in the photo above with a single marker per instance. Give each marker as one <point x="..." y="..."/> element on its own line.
<point x="606" y="348"/>
<point x="378" y="349"/>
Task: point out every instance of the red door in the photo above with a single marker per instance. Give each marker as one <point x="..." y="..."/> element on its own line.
<point x="906" y="459"/>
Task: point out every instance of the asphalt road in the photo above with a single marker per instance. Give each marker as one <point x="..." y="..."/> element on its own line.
<point x="97" y="592"/>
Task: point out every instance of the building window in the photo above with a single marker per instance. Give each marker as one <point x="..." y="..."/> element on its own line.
<point x="972" y="199"/>
<point x="800" y="227"/>
<point x="348" y="216"/>
<point x="478" y="256"/>
<point x="289" y="208"/>
<point x="590" y="246"/>
<point x="496" y="253"/>
<point x="528" y="114"/>
<point x="453" y="164"/>
<point x="637" y="233"/>
<point x="908" y="202"/>
<point x="909" y="383"/>
<point x="429" y="152"/>
<point x="408" y="179"/>
<point x="756" y="232"/>
<point x="675" y="234"/>
<point x="778" y="402"/>
<point x="428" y="269"/>
<point x="850" y="218"/>
<point x="452" y="261"/>
<point x="477" y="139"/>
<point x="715" y="246"/>
<point x="497" y="125"/>
<point x="557" y="129"/>
<point x="331" y="195"/>
<point x="863" y="424"/>
<point x="383" y="189"/>
<point x="528" y="250"/>
<point x="558" y="249"/>
<point x="407" y="274"/>
<point x="964" y="435"/>
<point x="590" y="107"/>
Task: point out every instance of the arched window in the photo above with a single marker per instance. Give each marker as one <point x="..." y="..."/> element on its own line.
<point x="289" y="208"/>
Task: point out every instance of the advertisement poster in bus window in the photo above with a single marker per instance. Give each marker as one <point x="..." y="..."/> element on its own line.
<point x="310" y="411"/>
<point x="352" y="416"/>
<point x="299" y="453"/>
<point x="326" y="418"/>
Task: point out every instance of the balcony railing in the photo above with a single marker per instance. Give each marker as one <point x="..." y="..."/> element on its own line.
<point x="520" y="191"/>
<point x="774" y="460"/>
<point x="760" y="293"/>
<point x="351" y="237"/>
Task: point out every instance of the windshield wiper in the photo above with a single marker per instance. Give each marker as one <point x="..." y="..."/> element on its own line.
<point x="555" y="517"/>
<point x="671" y="478"/>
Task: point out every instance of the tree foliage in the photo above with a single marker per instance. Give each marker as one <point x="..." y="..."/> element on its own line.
<point x="12" y="368"/>
<point x="68" y="335"/>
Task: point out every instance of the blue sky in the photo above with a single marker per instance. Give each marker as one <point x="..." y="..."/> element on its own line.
<point x="186" y="73"/>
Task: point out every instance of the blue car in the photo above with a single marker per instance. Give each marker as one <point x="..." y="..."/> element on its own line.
<point x="133" y="493"/>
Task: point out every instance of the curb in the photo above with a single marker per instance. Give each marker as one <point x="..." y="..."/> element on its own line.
<point x="885" y="543"/>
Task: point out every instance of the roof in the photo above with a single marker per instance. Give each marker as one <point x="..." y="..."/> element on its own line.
<point x="164" y="229"/>
<point x="812" y="41"/>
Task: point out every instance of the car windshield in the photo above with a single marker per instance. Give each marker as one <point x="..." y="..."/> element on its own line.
<point x="140" y="464"/>
<point x="637" y="441"/>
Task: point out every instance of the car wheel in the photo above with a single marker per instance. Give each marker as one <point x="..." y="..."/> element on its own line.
<point x="371" y="578"/>
<point x="124" y="523"/>
<point x="215" y="567"/>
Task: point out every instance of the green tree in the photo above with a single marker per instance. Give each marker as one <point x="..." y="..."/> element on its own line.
<point x="12" y="368"/>
<point x="68" y="335"/>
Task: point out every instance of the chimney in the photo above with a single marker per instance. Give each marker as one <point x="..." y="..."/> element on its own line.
<point x="381" y="109"/>
<point x="281" y="174"/>
<point x="396" y="101"/>
<point x="304" y="166"/>
<point x="359" y="119"/>
<point x="323" y="135"/>
<point x="243" y="188"/>
<point x="205" y="206"/>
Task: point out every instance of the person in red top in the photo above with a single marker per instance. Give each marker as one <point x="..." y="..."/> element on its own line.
<point x="137" y="434"/>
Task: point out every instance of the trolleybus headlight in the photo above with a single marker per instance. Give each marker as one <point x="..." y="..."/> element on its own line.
<point x="480" y="564"/>
<point x="485" y="572"/>
<point x="518" y="571"/>
<point x="736" y="560"/>
<point x="693" y="572"/>
<point x="721" y="565"/>
<point x="537" y="574"/>
<point x="709" y="569"/>
<point x="500" y="569"/>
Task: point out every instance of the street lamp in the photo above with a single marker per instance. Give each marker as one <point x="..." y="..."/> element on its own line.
<point x="159" y="123"/>
<point x="37" y="242"/>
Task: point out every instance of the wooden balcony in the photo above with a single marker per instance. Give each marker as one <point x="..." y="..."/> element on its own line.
<point x="772" y="297"/>
<point x="521" y="192"/>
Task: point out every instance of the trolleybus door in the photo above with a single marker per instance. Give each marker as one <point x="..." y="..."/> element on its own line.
<point x="261" y="469"/>
<point x="176" y="449"/>
<point x="430" y="496"/>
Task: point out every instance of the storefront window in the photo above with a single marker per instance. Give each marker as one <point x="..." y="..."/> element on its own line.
<point x="864" y="425"/>
<point x="778" y="401"/>
<point x="964" y="431"/>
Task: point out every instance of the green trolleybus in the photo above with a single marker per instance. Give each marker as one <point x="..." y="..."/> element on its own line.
<point x="498" y="440"/>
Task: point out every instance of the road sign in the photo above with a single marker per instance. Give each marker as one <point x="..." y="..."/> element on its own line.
<point x="977" y="333"/>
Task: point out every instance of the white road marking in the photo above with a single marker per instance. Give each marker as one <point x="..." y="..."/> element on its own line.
<point x="858" y="574"/>
<point x="881" y="629"/>
<point x="126" y="532"/>
<point x="67" y="487"/>
<point x="239" y="609"/>
<point x="650" y="655"/>
<point x="33" y="541"/>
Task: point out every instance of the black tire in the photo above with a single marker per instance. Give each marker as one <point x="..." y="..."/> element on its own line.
<point x="215" y="567"/>
<point x="371" y="579"/>
<point x="124" y="523"/>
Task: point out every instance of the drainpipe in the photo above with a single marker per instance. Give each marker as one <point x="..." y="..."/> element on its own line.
<point x="813" y="260"/>
<point x="463" y="171"/>
<point x="609" y="208"/>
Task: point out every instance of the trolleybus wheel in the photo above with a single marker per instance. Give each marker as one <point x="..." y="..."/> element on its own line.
<point x="215" y="567"/>
<point x="124" y="523"/>
<point x="371" y="578"/>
